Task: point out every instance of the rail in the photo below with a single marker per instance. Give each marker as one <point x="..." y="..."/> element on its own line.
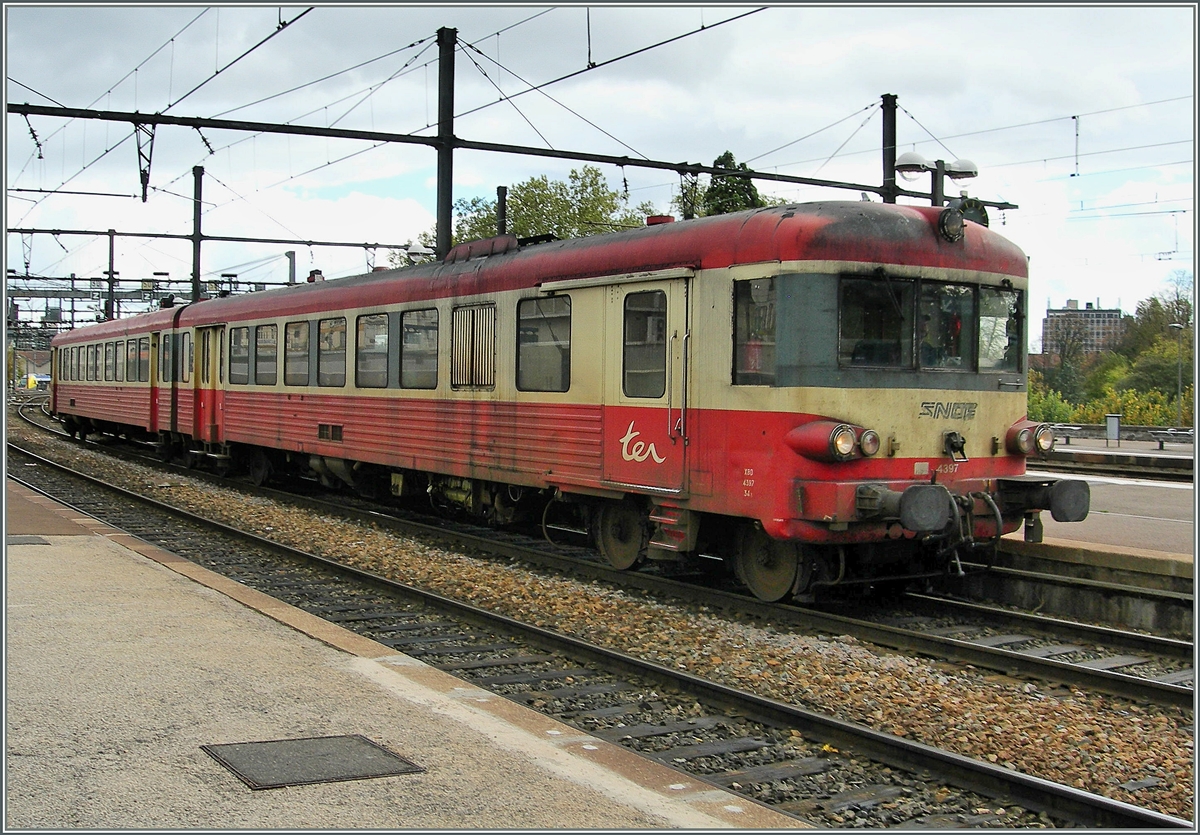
<point x="1072" y="804"/>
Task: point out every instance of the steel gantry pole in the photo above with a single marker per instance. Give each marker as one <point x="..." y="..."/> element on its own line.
<point x="198" y="177"/>
<point x="889" y="148"/>
<point x="109" y="303"/>
<point x="446" y="38"/>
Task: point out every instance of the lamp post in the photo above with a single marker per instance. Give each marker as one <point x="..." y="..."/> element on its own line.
<point x="1178" y="328"/>
<point x="911" y="165"/>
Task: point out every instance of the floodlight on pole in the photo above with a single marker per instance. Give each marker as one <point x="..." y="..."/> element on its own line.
<point x="910" y="165"/>
<point x="418" y="251"/>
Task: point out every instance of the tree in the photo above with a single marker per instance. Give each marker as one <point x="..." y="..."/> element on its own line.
<point x="1105" y="374"/>
<point x="1067" y="337"/>
<point x="1155" y="315"/>
<point x="583" y="205"/>
<point x="1158" y="368"/>
<point x="1177" y="297"/>
<point x="1046" y="404"/>
<point x="727" y="194"/>
<point x="722" y="194"/>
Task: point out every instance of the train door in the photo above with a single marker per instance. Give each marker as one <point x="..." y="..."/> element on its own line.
<point x="154" y="386"/>
<point x="645" y="393"/>
<point x="209" y="382"/>
<point x="54" y="360"/>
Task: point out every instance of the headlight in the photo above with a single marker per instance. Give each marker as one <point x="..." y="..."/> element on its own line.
<point x="869" y="442"/>
<point x="1044" y="438"/>
<point x="1025" y="440"/>
<point x="950" y="224"/>
<point x="841" y="441"/>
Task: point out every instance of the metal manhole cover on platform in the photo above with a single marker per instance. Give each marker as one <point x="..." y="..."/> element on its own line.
<point x="21" y="539"/>
<point x="297" y="762"/>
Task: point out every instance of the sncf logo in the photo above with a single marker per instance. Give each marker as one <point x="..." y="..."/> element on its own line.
<point x="952" y="411"/>
<point x="638" y="450"/>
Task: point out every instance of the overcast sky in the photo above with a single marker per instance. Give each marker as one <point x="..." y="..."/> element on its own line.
<point x="1082" y="116"/>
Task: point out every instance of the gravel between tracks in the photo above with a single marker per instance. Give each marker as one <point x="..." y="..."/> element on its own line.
<point x="1089" y="741"/>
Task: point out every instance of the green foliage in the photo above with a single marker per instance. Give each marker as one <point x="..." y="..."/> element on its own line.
<point x="1151" y="408"/>
<point x="1158" y="368"/>
<point x="1045" y="404"/>
<point x="1156" y="314"/>
<point x="1106" y="373"/>
<point x="721" y="194"/>
<point x="730" y="194"/>
<point x="1138" y="380"/>
<point x="1137" y="408"/>
<point x="583" y="205"/>
<point x="1144" y="327"/>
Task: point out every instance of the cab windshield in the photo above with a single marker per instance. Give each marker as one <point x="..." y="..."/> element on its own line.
<point x="895" y="323"/>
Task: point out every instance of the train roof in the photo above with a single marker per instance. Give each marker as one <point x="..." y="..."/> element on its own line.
<point x="834" y="231"/>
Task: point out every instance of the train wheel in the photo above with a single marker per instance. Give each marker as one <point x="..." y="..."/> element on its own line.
<point x="767" y="566"/>
<point x="166" y="450"/>
<point x="621" y="534"/>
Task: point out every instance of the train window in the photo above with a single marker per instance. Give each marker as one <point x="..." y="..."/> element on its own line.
<point x="544" y="344"/>
<point x="185" y="358"/>
<point x="754" y="332"/>
<point x="109" y="362"/>
<point x="144" y="359"/>
<point x="295" y="354"/>
<point x="91" y="362"/>
<point x="370" y="351"/>
<point x="418" y="349"/>
<point x="875" y="322"/>
<point x="266" y="355"/>
<point x="205" y="356"/>
<point x="331" y="352"/>
<point x="644" y="357"/>
<point x="473" y="347"/>
<point x="239" y="356"/>
<point x="999" y="330"/>
<point x="119" y="354"/>
<point x="164" y="358"/>
<point x="946" y="326"/>
<point x="131" y="361"/>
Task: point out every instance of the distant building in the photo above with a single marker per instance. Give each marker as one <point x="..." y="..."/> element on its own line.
<point x="1095" y="329"/>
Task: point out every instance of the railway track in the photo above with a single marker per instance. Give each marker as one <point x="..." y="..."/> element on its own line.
<point x="1118" y="662"/>
<point x="834" y="772"/>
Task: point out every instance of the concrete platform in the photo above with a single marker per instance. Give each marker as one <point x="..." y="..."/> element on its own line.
<point x="1141" y="459"/>
<point x="123" y="659"/>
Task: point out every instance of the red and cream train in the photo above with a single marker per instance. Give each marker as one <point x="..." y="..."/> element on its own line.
<point x="820" y="394"/>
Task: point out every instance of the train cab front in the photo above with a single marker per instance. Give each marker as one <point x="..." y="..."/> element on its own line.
<point x="867" y="516"/>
